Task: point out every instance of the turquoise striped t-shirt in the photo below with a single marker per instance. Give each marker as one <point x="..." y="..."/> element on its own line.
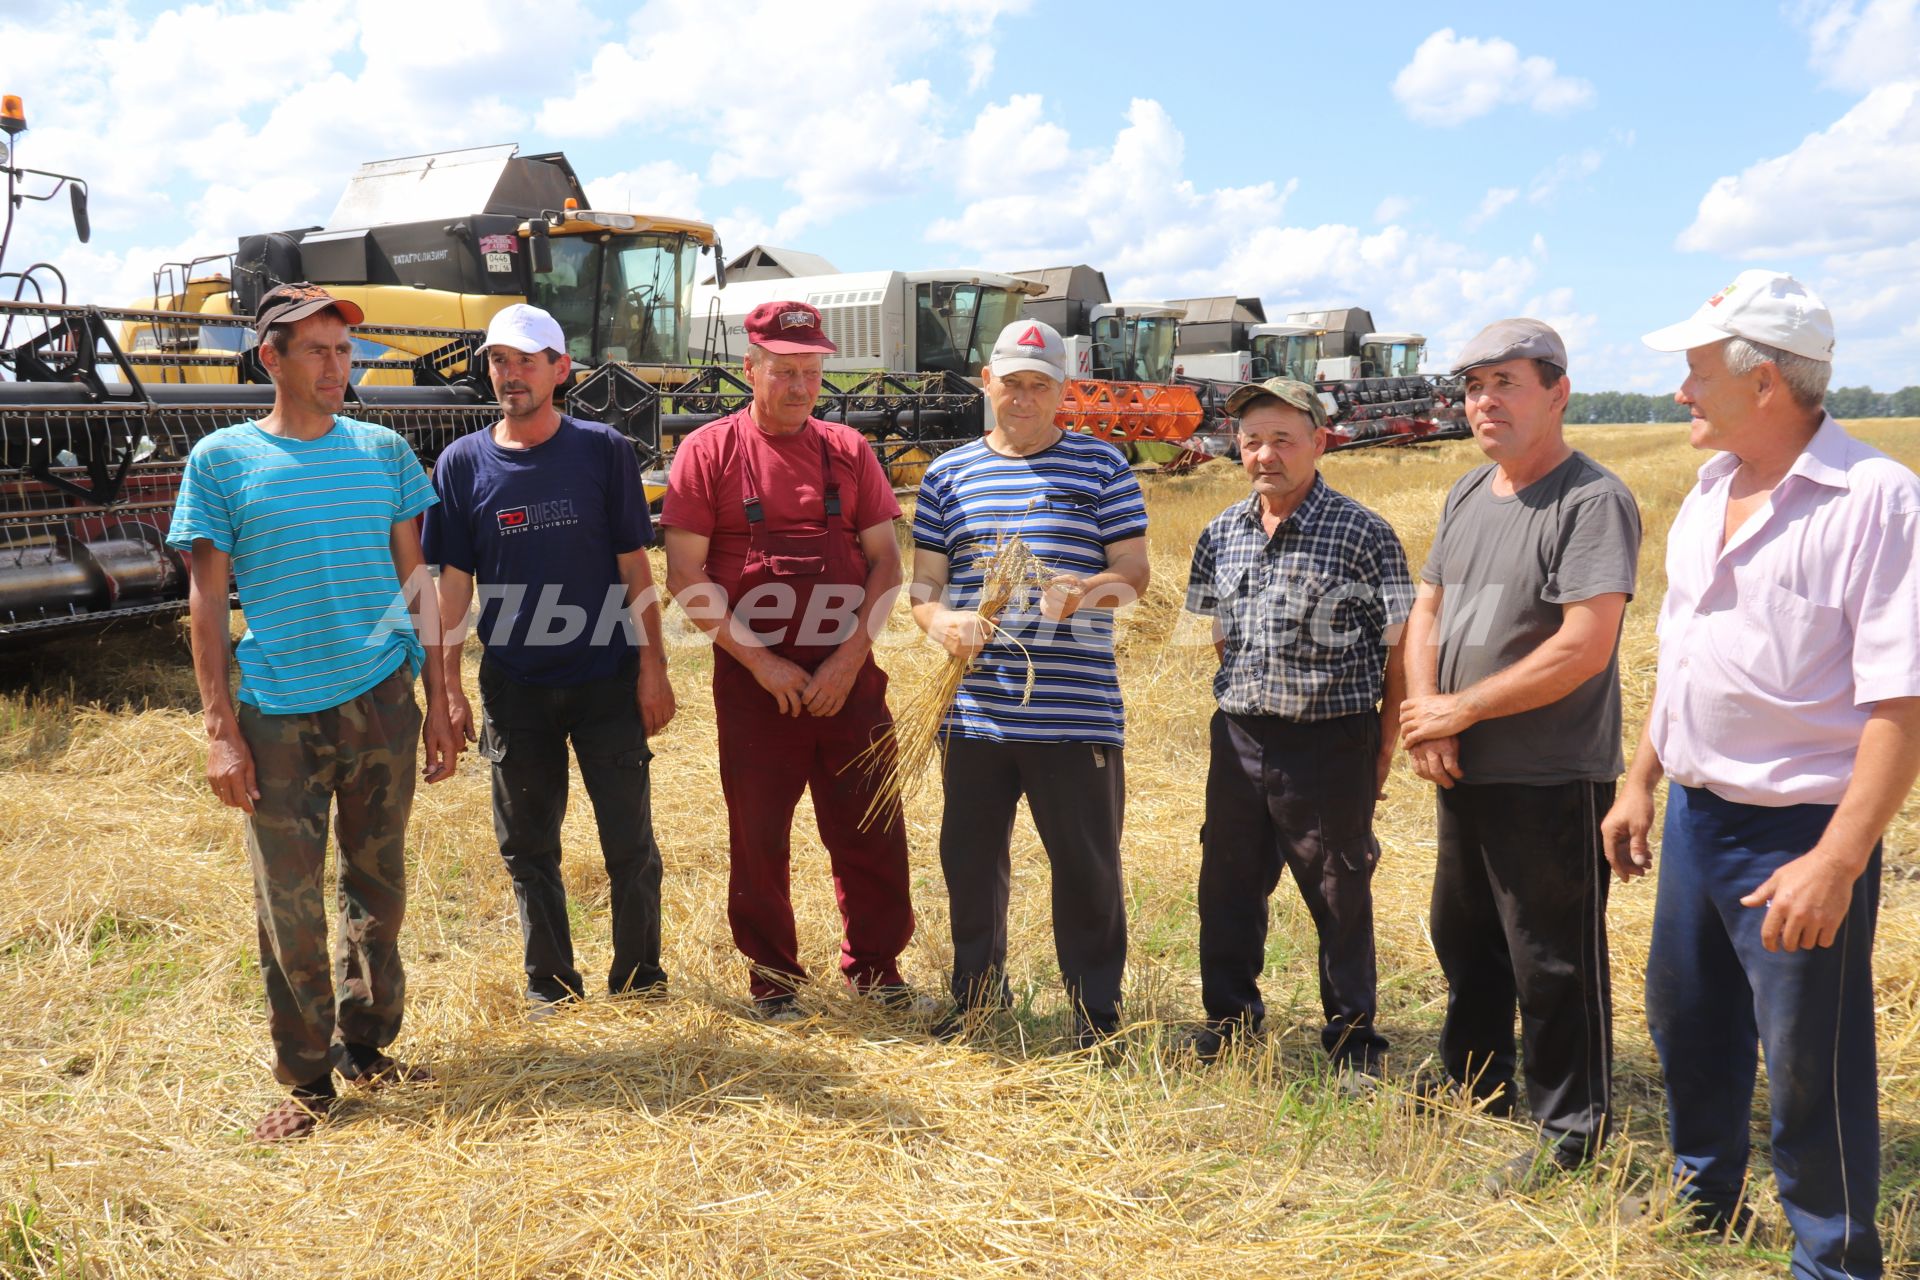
<point x="1068" y="503"/>
<point x="309" y="525"/>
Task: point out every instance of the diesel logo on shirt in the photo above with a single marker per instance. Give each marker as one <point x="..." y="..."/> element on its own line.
<point x="537" y="515"/>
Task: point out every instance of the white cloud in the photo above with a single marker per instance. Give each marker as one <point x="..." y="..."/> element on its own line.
<point x="1568" y="168"/>
<point x="1850" y="187"/>
<point x="1392" y="209"/>
<point x="1130" y="209"/>
<point x="1011" y="146"/>
<point x="979" y="67"/>
<point x="819" y="99"/>
<point x="661" y="187"/>
<point x="1496" y="199"/>
<point x="1453" y="79"/>
<point x="1858" y="46"/>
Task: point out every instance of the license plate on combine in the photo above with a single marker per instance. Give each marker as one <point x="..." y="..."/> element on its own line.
<point x="501" y="263"/>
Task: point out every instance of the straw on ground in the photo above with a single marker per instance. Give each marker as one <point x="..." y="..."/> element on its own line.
<point x="681" y="1138"/>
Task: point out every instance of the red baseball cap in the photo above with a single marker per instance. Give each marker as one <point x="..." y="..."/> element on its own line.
<point x="787" y="328"/>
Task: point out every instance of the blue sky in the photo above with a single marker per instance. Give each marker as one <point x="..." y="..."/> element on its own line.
<point x="1606" y="168"/>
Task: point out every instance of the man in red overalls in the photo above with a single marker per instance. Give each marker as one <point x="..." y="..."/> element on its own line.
<point x="780" y="546"/>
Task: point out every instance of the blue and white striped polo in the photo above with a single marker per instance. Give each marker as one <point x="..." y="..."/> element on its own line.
<point x="309" y="525"/>
<point x="1068" y="502"/>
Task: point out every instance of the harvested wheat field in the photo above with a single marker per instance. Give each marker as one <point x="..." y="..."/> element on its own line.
<point x="681" y="1138"/>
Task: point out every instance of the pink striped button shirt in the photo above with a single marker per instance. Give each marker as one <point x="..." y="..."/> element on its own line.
<point x="1774" y="647"/>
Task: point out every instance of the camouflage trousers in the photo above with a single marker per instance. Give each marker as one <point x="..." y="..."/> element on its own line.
<point x="355" y="760"/>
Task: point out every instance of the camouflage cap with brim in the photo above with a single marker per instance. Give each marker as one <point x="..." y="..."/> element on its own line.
<point x="1288" y="391"/>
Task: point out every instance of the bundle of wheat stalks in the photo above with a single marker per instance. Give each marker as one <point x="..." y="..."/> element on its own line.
<point x="899" y="760"/>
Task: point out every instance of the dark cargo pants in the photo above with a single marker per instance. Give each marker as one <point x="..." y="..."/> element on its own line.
<point x="356" y="759"/>
<point x="1299" y="796"/>
<point x="1077" y="794"/>
<point x="525" y="738"/>
<point x="1520" y="920"/>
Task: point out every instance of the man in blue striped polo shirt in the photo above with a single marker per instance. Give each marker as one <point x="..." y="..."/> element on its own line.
<point x="310" y="515"/>
<point x="1076" y="504"/>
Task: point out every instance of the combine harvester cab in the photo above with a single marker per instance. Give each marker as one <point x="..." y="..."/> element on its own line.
<point x="1121" y="384"/>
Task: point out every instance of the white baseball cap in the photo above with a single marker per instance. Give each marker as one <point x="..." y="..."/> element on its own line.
<point x="1032" y="347"/>
<point x="525" y="328"/>
<point x="1769" y="307"/>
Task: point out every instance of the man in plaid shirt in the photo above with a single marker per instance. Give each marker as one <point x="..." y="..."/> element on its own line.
<point x="1307" y="590"/>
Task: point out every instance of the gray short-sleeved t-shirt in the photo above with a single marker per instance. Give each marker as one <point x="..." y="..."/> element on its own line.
<point x="1506" y="566"/>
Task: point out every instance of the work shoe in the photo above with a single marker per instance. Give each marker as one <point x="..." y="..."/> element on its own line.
<point x="1529" y="1172"/>
<point x="366" y="1067"/>
<point x="292" y="1118"/>
<point x="1090" y="1035"/>
<point x="1210" y="1041"/>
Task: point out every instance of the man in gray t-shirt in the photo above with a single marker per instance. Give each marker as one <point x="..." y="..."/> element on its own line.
<point x="1514" y="713"/>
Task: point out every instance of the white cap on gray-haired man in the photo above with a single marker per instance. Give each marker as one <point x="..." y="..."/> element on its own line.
<point x="1766" y="307"/>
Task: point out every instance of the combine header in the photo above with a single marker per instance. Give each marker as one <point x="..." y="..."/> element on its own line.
<point x="99" y="407"/>
<point x="1121" y="385"/>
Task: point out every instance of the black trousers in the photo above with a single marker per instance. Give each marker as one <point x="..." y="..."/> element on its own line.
<point x="1076" y="792"/>
<point x="525" y="737"/>
<point x="1298" y="796"/>
<point x="1520" y="920"/>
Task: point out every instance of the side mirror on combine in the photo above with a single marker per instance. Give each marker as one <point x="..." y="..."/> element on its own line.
<point x="77" y="194"/>
<point x="539" y="246"/>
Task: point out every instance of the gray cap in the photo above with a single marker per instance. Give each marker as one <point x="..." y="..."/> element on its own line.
<point x="1286" y="390"/>
<point x="1516" y="339"/>
<point x="1032" y="347"/>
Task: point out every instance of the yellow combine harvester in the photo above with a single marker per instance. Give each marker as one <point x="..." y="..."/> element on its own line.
<point x="443" y="242"/>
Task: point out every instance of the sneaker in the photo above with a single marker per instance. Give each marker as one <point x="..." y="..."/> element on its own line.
<point x="1358" y="1079"/>
<point x="898" y="997"/>
<point x="539" y="1008"/>
<point x="778" y="1011"/>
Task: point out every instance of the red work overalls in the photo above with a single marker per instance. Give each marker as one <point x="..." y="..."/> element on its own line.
<point x="767" y="759"/>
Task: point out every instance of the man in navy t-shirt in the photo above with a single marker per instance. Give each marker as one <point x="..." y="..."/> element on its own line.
<point x="547" y="512"/>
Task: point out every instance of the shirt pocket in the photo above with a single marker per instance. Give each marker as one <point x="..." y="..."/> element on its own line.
<point x="1783" y="639"/>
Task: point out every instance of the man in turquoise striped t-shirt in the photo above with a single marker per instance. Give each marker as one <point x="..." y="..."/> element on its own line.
<point x="1075" y="503"/>
<point x="310" y="515"/>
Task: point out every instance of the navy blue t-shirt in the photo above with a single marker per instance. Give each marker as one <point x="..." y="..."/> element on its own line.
<point x="539" y="530"/>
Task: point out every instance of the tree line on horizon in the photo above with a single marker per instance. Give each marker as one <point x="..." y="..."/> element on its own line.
<point x="1629" y="406"/>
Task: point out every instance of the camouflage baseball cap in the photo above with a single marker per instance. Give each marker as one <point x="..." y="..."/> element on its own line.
<point x="1288" y="391"/>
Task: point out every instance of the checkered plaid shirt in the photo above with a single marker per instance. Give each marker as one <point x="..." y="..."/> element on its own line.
<point x="1304" y="612"/>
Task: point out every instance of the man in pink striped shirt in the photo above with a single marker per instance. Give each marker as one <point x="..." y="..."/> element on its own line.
<point x="1787" y="719"/>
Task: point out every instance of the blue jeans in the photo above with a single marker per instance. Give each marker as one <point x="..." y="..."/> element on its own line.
<point x="1714" y="995"/>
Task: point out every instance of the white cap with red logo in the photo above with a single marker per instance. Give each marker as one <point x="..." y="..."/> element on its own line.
<point x="1768" y="307"/>
<point x="1031" y="347"/>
